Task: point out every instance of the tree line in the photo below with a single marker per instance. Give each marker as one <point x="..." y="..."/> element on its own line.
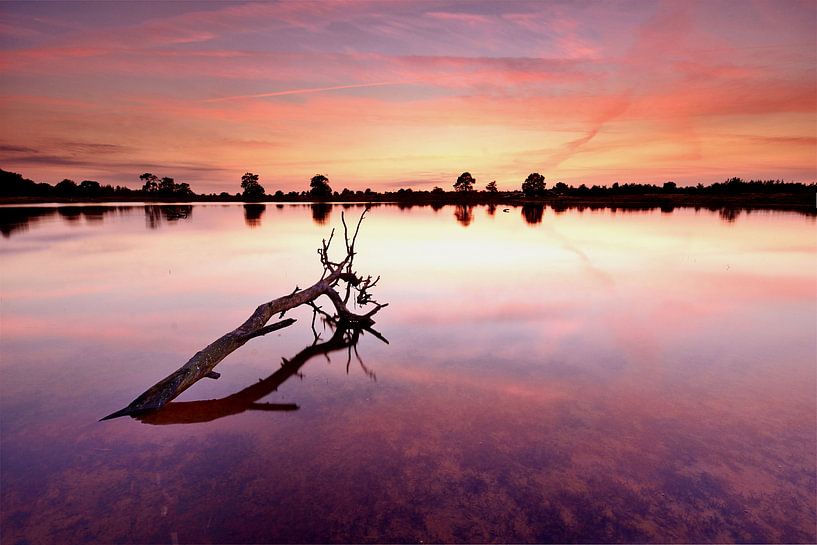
<point x="464" y="188"/>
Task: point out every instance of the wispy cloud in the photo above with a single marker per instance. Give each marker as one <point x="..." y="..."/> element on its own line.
<point x="300" y="91"/>
<point x="581" y="91"/>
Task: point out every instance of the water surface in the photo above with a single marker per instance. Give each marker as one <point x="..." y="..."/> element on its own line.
<point x="588" y="376"/>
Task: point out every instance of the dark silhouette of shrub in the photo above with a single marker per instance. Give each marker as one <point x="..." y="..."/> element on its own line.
<point x="89" y="188"/>
<point x="66" y="187"/>
<point x="561" y="187"/>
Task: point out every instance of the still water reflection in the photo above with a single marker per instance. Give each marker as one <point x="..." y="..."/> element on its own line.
<point x="552" y="375"/>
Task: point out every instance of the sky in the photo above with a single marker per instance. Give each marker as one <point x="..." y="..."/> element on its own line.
<point x="409" y="94"/>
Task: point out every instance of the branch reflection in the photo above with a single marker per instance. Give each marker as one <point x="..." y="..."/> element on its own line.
<point x="345" y="337"/>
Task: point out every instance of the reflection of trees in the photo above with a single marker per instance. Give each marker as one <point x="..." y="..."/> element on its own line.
<point x="729" y="215"/>
<point x="95" y="213"/>
<point x="532" y="212"/>
<point x="18" y="219"/>
<point x="70" y="213"/>
<point x="156" y="214"/>
<point x="558" y="207"/>
<point x="321" y="212"/>
<point x="253" y="213"/>
<point x="464" y="214"/>
<point x="345" y="337"/>
<point x="491" y="209"/>
<point x="14" y="219"/>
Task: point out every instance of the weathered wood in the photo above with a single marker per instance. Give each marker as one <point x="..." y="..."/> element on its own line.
<point x="192" y="412"/>
<point x="202" y="363"/>
<point x="199" y="366"/>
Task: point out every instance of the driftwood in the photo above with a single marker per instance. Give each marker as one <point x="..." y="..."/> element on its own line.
<point x="202" y="363"/>
<point x="346" y="336"/>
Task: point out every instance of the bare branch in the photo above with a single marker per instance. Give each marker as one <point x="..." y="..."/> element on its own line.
<point x="202" y="363"/>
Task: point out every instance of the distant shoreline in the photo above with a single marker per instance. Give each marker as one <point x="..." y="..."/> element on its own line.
<point x="799" y="202"/>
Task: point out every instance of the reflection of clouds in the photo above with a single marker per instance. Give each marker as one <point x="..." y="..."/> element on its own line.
<point x="743" y="286"/>
<point x="454" y="311"/>
<point x="39" y="242"/>
<point x="491" y="384"/>
<point x="601" y="276"/>
<point x="519" y="399"/>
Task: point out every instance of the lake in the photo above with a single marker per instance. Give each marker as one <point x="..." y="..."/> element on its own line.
<point x="550" y="376"/>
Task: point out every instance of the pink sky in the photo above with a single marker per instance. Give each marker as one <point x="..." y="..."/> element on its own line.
<point x="409" y="94"/>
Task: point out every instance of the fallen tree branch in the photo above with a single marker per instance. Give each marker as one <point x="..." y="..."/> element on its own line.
<point x="202" y="363"/>
<point x="345" y="336"/>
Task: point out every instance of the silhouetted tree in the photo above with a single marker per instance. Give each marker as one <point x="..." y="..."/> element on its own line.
<point x="12" y="183"/>
<point x="89" y="187"/>
<point x="319" y="187"/>
<point x="465" y="182"/>
<point x="167" y="185"/>
<point x="670" y="186"/>
<point x="252" y="190"/>
<point x="491" y="187"/>
<point x="183" y="190"/>
<point x="560" y="187"/>
<point x="66" y="187"/>
<point x="151" y="182"/>
<point x="534" y="185"/>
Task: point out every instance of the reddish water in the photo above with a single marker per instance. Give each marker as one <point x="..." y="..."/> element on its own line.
<point x="586" y="376"/>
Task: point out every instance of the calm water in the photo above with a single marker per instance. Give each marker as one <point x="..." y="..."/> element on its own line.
<point x="586" y="376"/>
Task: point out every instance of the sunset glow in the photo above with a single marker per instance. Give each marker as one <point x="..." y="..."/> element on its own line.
<point x="409" y="94"/>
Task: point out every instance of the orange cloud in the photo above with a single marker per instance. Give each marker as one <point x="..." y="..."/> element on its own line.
<point x="414" y="91"/>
